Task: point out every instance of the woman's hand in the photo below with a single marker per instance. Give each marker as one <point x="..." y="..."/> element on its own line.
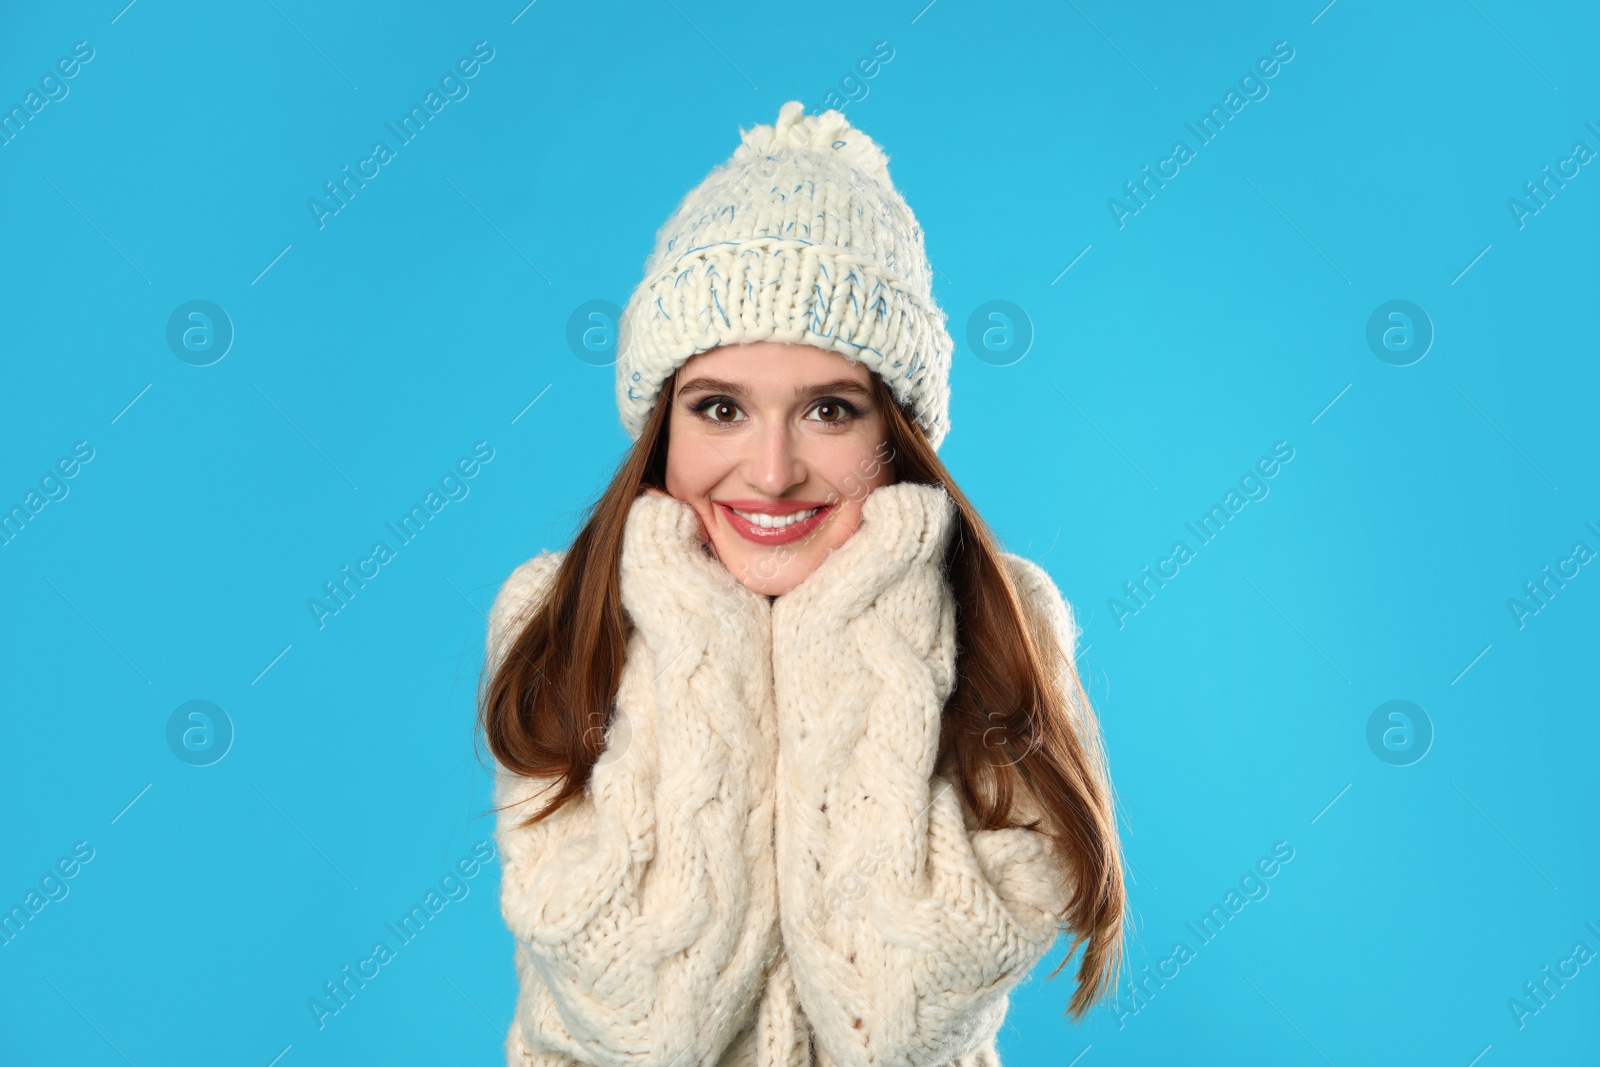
<point x="703" y="536"/>
<point x="651" y="490"/>
<point x="645" y="912"/>
<point x="904" y="525"/>
<point x="668" y="572"/>
<point x="877" y="605"/>
<point x="904" y="928"/>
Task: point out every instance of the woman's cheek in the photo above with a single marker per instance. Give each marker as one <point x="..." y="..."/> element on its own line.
<point x="845" y="523"/>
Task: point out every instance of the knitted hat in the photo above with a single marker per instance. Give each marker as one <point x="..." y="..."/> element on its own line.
<point x="799" y="236"/>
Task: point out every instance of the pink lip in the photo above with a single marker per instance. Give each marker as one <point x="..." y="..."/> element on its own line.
<point x="761" y="535"/>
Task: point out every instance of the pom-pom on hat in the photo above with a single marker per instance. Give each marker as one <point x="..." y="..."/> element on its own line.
<point x="799" y="236"/>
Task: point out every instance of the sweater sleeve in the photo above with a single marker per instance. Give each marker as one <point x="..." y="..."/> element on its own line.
<point x="644" y="910"/>
<point x="906" y="927"/>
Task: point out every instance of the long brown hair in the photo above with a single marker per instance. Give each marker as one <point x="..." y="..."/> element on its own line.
<point x="1008" y="727"/>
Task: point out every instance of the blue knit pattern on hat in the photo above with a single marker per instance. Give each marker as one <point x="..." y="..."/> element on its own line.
<point x="801" y="237"/>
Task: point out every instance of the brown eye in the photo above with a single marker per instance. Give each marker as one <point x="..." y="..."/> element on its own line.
<point x="835" y="412"/>
<point x="719" y="411"/>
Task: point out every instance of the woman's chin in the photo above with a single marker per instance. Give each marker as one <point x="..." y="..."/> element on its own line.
<point x="773" y="570"/>
<point x="769" y="571"/>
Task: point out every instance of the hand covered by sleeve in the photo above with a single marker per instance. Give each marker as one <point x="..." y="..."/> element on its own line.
<point x="645" y="910"/>
<point x="905" y="928"/>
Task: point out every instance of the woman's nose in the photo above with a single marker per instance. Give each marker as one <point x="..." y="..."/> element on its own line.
<point x="775" y="464"/>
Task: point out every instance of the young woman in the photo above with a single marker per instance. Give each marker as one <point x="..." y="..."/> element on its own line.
<point x="793" y="765"/>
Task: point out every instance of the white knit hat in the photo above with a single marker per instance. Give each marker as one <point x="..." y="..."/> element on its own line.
<point x="799" y="236"/>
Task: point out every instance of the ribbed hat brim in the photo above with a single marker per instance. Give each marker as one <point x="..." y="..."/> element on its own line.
<point x="785" y="289"/>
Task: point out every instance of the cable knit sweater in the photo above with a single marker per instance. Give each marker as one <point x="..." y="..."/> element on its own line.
<point x="767" y="869"/>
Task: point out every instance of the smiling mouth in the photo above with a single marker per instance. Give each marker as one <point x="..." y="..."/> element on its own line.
<point x="774" y="522"/>
<point x="770" y="527"/>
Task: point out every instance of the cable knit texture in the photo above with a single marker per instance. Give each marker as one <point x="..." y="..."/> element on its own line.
<point x="645" y="915"/>
<point x="798" y="236"/>
<point x="905" y="929"/>
<point x="767" y="869"/>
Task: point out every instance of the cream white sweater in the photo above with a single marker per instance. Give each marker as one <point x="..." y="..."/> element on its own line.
<point x="767" y="869"/>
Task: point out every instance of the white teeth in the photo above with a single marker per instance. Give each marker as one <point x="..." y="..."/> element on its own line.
<point x="775" y="522"/>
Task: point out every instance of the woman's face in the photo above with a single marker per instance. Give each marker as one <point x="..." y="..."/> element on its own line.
<point x="775" y="446"/>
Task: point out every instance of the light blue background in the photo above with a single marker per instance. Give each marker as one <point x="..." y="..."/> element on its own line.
<point x="1227" y="315"/>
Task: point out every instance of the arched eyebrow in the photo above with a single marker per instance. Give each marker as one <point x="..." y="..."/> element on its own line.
<point x="837" y="386"/>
